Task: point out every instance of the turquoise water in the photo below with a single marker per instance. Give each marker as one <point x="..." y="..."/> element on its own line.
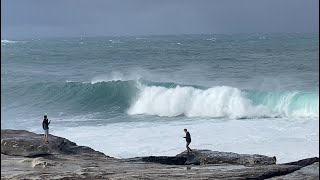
<point x="261" y="80"/>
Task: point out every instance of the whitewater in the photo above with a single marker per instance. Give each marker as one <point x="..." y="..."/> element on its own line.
<point x="223" y="101"/>
<point x="133" y="96"/>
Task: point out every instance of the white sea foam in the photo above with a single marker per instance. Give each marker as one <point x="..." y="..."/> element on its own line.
<point x="70" y="81"/>
<point x="8" y="41"/>
<point x="115" y="76"/>
<point x="211" y="39"/>
<point x="115" y="41"/>
<point x="287" y="139"/>
<point x="219" y="101"/>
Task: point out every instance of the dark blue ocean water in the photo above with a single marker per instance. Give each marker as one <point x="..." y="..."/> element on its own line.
<point x="94" y="85"/>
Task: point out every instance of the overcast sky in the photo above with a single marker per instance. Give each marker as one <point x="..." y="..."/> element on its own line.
<point x="52" y="18"/>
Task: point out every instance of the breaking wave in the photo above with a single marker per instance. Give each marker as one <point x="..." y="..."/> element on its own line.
<point x="223" y="101"/>
<point x="167" y="99"/>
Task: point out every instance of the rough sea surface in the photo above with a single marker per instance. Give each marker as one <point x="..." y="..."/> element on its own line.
<point x="133" y="96"/>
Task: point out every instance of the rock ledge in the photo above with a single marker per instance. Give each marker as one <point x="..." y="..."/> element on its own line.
<point x="24" y="155"/>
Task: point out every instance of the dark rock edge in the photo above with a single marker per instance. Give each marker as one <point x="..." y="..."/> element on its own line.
<point x="27" y="144"/>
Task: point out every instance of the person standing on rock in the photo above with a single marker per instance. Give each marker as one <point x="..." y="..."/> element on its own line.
<point x="45" y="126"/>
<point x="188" y="139"/>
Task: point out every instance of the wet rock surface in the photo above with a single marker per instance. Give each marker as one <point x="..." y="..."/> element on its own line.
<point x="24" y="155"/>
<point x="201" y="157"/>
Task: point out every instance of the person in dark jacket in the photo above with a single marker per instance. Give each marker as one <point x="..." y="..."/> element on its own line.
<point x="45" y="126"/>
<point x="188" y="139"/>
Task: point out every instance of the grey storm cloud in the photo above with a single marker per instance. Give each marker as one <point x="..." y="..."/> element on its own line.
<point x="52" y="18"/>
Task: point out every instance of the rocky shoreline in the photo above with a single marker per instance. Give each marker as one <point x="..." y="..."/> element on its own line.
<point x="24" y="155"/>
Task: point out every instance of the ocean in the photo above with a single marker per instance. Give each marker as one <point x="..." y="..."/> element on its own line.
<point x="132" y="96"/>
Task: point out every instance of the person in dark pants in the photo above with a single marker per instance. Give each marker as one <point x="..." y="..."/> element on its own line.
<point x="45" y="126"/>
<point x="188" y="139"/>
